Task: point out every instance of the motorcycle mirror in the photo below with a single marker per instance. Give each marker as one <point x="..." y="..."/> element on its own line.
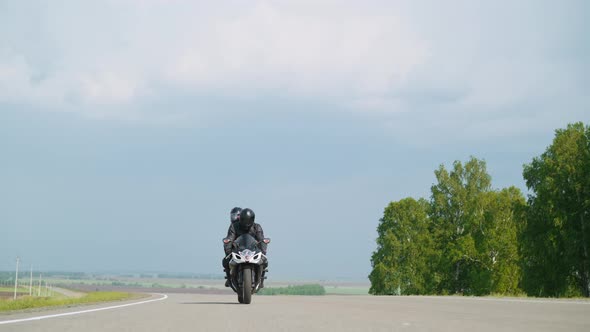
<point x="226" y="241"/>
<point x="266" y="240"/>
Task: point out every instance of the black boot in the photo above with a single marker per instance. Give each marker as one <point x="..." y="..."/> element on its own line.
<point x="262" y="281"/>
<point x="264" y="270"/>
<point x="227" y="278"/>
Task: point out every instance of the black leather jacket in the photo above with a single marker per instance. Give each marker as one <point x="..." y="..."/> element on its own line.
<point x="234" y="231"/>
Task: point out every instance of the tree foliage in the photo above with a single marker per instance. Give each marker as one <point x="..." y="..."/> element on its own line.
<point x="404" y="231"/>
<point x="556" y="239"/>
<point x="475" y="228"/>
<point x="464" y="240"/>
<point x="472" y="239"/>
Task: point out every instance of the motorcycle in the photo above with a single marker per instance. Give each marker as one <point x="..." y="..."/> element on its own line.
<point x="247" y="266"/>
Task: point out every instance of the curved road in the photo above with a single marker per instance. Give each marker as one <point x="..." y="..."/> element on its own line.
<point x="197" y="312"/>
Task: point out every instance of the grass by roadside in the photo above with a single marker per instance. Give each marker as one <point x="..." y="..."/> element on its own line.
<point x="11" y="289"/>
<point x="27" y="302"/>
<point x="294" y="290"/>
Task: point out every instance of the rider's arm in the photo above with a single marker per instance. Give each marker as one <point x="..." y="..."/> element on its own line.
<point x="231" y="235"/>
<point x="259" y="237"/>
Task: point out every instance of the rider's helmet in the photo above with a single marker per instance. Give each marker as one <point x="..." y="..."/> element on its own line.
<point x="246" y="219"/>
<point x="234" y="215"/>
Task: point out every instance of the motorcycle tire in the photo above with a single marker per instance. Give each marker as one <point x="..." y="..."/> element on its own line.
<point x="247" y="285"/>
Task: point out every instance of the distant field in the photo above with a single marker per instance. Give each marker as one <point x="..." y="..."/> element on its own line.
<point x="11" y="289"/>
<point x="331" y="287"/>
<point x="192" y="285"/>
<point x="308" y="289"/>
<point x="346" y="290"/>
<point x="144" y="283"/>
<point x="8" y="292"/>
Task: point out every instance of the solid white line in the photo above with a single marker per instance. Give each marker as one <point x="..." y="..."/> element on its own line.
<point x="164" y="296"/>
<point x="473" y="298"/>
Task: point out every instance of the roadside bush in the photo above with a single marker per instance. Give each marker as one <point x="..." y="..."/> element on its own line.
<point x="312" y="289"/>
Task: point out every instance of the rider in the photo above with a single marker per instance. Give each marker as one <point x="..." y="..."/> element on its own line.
<point x="234" y="214"/>
<point x="244" y="224"/>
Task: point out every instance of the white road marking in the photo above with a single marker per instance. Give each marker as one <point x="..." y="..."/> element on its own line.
<point x="164" y="296"/>
<point x="463" y="298"/>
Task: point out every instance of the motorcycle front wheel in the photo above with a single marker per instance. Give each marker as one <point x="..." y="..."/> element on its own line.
<point x="246" y="285"/>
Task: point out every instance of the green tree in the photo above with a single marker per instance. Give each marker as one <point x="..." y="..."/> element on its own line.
<point x="464" y="240"/>
<point x="475" y="230"/>
<point x="456" y="211"/>
<point x="498" y="240"/>
<point x="402" y="261"/>
<point x="556" y="238"/>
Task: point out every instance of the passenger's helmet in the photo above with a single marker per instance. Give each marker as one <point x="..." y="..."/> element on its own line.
<point x="234" y="215"/>
<point x="246" y="219"/>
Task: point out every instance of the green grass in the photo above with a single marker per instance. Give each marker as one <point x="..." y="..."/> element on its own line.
<point x="21" y="291"/>
<point x="11" y="289"/>
<point x="38" y="302"/>
<point x="24" y="291"/>
<point x="294" y="290"/>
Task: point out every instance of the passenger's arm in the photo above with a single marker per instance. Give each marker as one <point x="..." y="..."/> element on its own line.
<point x="231" y="235"/>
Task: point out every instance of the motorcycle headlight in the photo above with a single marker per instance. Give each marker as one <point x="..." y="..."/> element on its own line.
<point x="245" y="255"/>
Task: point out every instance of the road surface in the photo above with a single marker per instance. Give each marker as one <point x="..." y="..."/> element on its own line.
<point x="202" y="312"/>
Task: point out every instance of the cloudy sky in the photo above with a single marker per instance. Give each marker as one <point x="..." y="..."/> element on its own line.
<point x="129" y="129"/>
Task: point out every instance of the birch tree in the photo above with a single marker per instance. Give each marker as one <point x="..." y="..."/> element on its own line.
<point x="556" y="240"/>
<point x="402" y="263"/>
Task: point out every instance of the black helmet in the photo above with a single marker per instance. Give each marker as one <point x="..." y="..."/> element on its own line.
<point x="234" y="215"/>
<point x="246" y="219"/>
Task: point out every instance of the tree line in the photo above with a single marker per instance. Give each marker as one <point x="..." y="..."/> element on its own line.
<point x="469" y="238"/>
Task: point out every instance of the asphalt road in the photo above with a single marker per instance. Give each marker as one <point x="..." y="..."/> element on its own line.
<point x="201" y="312"/>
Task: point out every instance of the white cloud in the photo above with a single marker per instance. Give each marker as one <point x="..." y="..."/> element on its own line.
<point x="108" y="87"/>
<point x="309" y="55"/>
<point x="123" y="49"/>
<point x="382" y="57"/>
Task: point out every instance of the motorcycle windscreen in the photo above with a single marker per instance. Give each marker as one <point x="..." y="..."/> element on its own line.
<point x="246" y="241"/>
